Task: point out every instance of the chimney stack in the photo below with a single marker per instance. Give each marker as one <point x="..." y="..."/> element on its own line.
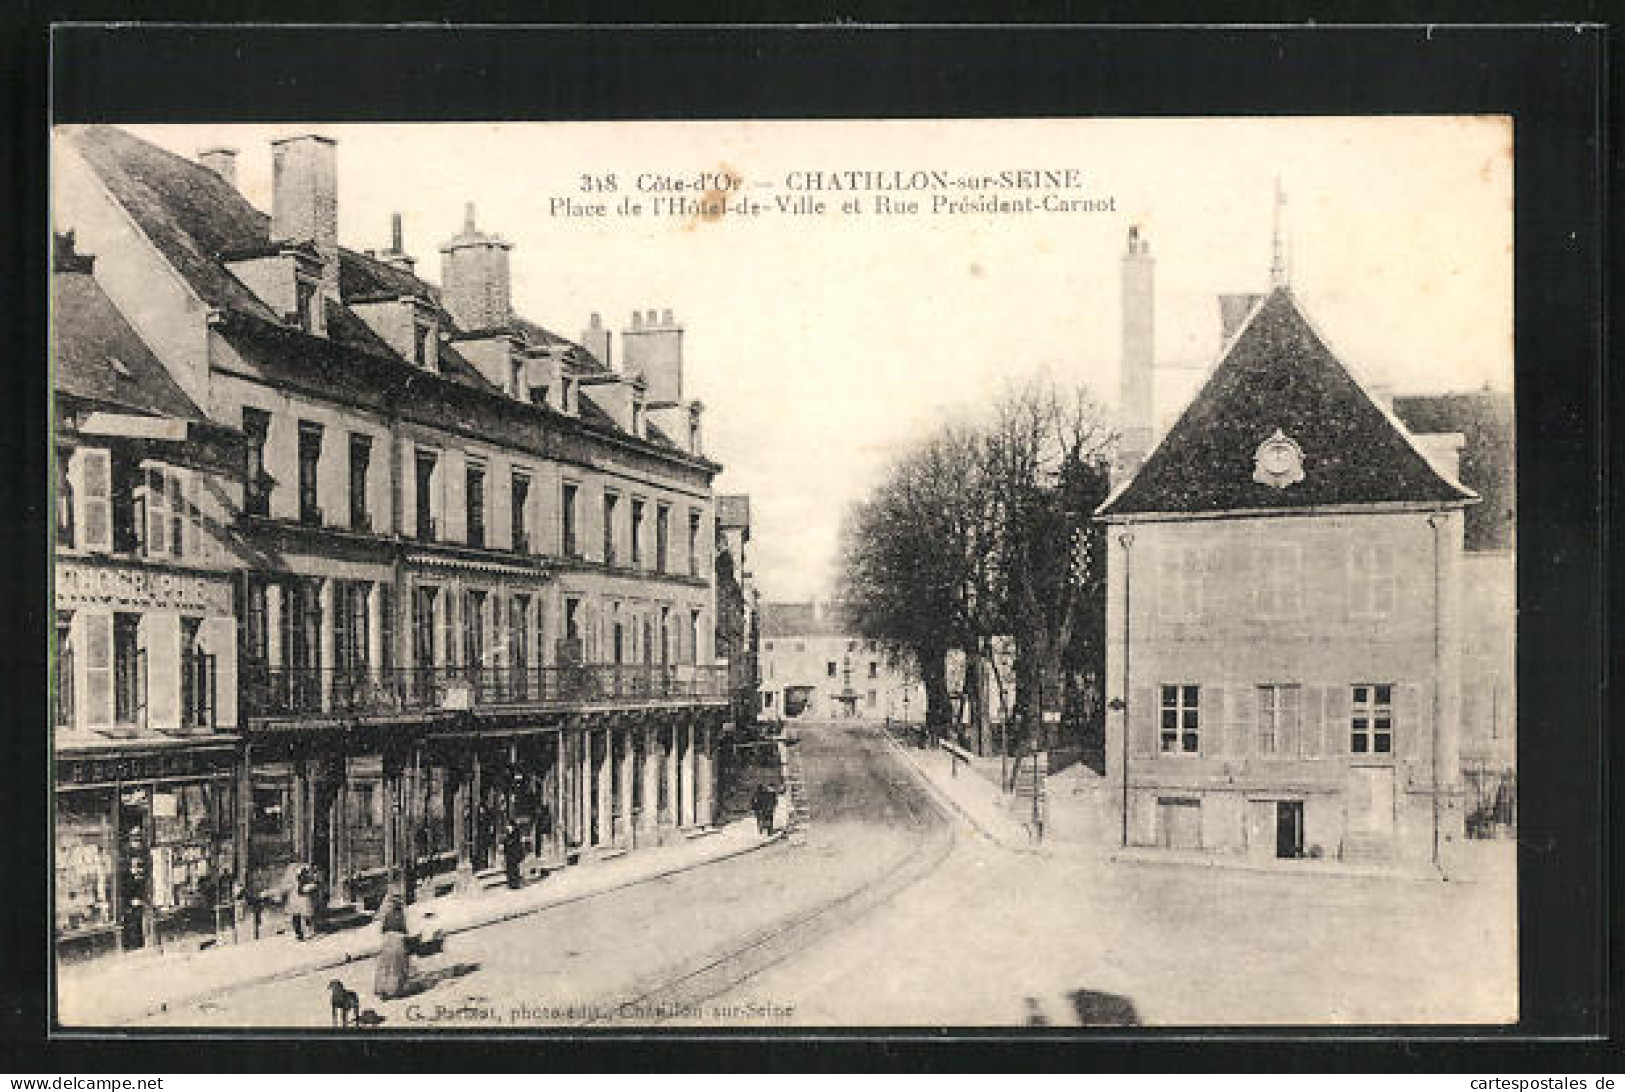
<point x="1137" y="361"/>
<point x="474" y="279"/>
<point x="396" y="255"/>
<point x="304" y="199"/>
<point x="653" y="348"/>
<point x="595" y="339"/>
<point x="222" y="161"/>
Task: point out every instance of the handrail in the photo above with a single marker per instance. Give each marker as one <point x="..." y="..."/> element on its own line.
<point x="270" y="691"/>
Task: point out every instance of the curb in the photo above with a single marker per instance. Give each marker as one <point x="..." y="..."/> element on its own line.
<point x="370" y="950"/>
<point x="1344" y="872"/>
<point x="1001" y="841"/>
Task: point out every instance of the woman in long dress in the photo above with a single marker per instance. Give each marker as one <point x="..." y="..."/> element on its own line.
<point x="394" y="956"/>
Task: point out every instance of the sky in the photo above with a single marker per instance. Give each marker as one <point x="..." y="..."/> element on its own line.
<point x="824" y="345"/>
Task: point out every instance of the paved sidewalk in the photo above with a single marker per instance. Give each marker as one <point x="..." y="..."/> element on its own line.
<point x="973" y="796"/>
<point x="117" y="989"/>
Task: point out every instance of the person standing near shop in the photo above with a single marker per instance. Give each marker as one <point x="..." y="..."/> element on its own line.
<point x="513" y="852"/>
<point x="394" y="971"/>
<point x="301" y="887"/>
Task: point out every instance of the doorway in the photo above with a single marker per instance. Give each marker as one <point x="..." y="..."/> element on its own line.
<point x="1180" y="822"/>
<point x="1289" y="829"/>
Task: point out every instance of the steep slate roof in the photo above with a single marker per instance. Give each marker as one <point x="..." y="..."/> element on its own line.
<point x="99" y="358"/>
<point x="1277" y="373"/>
<point x="1484" y="418"/>
<point x="195" y="218"/>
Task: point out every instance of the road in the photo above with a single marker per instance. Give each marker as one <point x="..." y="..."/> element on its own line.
<point x="889" y="910"/>
<point x="658" y="951"/>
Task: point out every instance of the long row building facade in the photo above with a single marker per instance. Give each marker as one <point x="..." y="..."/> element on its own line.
<point x="353" y="569"/>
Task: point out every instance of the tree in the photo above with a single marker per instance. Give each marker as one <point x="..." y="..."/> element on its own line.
<point x="982" y="532"/>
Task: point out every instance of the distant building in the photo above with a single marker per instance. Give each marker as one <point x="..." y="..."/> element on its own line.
<point x="1285" y="619"/>
<point x="736" y="605"/>
<point x="815" y="665"/>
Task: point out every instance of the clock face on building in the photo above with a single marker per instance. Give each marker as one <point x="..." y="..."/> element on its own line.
<point x="1278" y="462"/>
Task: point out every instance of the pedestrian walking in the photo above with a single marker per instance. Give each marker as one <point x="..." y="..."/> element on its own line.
<point x="394" y="970"/>
<point x="300" y="883"/>
<point x="513" y="852"/>
<point x="762" y="803"/>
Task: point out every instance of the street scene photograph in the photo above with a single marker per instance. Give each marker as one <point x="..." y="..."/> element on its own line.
<point x="891" y="574"/>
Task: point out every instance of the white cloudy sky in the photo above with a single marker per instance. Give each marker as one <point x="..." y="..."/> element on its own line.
<point x="821" y="346"/>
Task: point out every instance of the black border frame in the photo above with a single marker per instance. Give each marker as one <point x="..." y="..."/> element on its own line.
<point x="1549" y="78"/>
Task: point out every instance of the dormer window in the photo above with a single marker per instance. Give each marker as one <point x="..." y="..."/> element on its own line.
<point x="307" y="300"/>
<point x="637" y="417"/>
<point x="420" y="344"/>
<point x="567" y="395"/>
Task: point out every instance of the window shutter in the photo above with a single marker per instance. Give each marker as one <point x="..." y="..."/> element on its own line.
<point x="1312" y="722"/>
<point x="198" y="543"/>
<point x="1410" y="738"/>
<point x="93" y="645"/>
<point x="1244" y="714"/>
<point x="218" y="637"/>
<point x="160" y="637"/>
<point x="90" y="471"/>
<point x="157" y="511"/>
<point x="1339" y="713"/>
<point x="1144" y="712"/>
<point x="1215" y="737"/>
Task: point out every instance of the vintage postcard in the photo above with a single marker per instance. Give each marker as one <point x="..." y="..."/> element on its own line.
<point x="784" y="574"/>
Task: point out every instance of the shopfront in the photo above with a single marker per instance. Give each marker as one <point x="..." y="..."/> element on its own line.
<point x="146" y="849"/>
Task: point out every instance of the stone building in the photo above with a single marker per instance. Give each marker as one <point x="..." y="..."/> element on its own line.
<point x="147" y="844"/>
<point x="473" y="560"/>
<point x="1284" y="620"/>
<point x="737" y="638"/>
<point x="814" y="665"/>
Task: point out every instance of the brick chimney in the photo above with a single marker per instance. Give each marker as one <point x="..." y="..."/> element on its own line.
<point x="396" y="255"/>
<point x="304" y="199"/>
<point x="653" y="348"/>
<point x="1137" y="361"/>
<point x="222" y="161"/>
<point x="474" y="280"/>
<point x="595" y="339"/>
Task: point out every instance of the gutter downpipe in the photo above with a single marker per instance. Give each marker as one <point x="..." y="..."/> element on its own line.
<point x="1126" y="539"/>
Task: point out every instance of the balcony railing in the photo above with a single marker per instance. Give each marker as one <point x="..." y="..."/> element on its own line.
<point x="296" y="691"/>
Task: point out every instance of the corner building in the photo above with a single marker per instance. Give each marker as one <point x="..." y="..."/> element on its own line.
<point x="473" y="559"/>
<point x="1283" y="617"/>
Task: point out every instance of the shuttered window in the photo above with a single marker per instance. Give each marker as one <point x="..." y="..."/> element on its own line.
<point x="90" y="473"/>
<point x="1371" y="579"/>
<point x="1279" y="714"/>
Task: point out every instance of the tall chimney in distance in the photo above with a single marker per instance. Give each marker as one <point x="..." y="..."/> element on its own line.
<point x="595" y="339"/>
<point x="1134" y="376"/>
<point x="474" y="281"/>
<point x="396" y="255"/>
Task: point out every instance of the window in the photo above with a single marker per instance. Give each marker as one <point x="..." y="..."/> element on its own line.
<point x="198" y="693"/>
<point x="129" y="670"/>
<point x="567" y="395"/>
<point x="830" y="669"/>
<point x="693" y="542"/>
<point x="767" y="646"/>
<point x="519" y="632"/>
<point x="64" y="670"/>
<point x="1280" y="581"/>
<point x="64" y="504"/>
<point x="1181" y="719"/>
<point x="874" y="669"/>
<point x="663" y="538"/>
<point x="476" y="622"/>
<point x="518" y="503"/>
<point x="423" y="338"/>
<point x="426" y="463"/>
<point x="310" y="453"/>
<point x="1179" y="595"/>
<point x="306" y="303"/>
<point x="694" y="636"/>
<point x="257" y="484"/>
<point x="516" y="379"/>
<point x="476" y="504"/>
<point x="360" y="461"/>
<point x="767" y="699"/>
<point x="1371" y="730"/>
<point x="637" y="533"/>
<point x="423" y="604"/>
<point x="872" y="698"/>
<point x="637" y="418"/>
<point x="90" y="474"/>
<point x="162" y="507"/>
<point x="1371" y="579"/>
<point x="1279" y="712"/>
<point x="610" y="505"/>
<point x="569" y="513"/>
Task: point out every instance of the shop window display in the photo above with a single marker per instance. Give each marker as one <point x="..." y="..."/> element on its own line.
<point x="84" y="862"/>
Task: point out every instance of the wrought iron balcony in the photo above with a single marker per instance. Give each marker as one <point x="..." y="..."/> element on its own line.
<point x="303" y="691"/>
